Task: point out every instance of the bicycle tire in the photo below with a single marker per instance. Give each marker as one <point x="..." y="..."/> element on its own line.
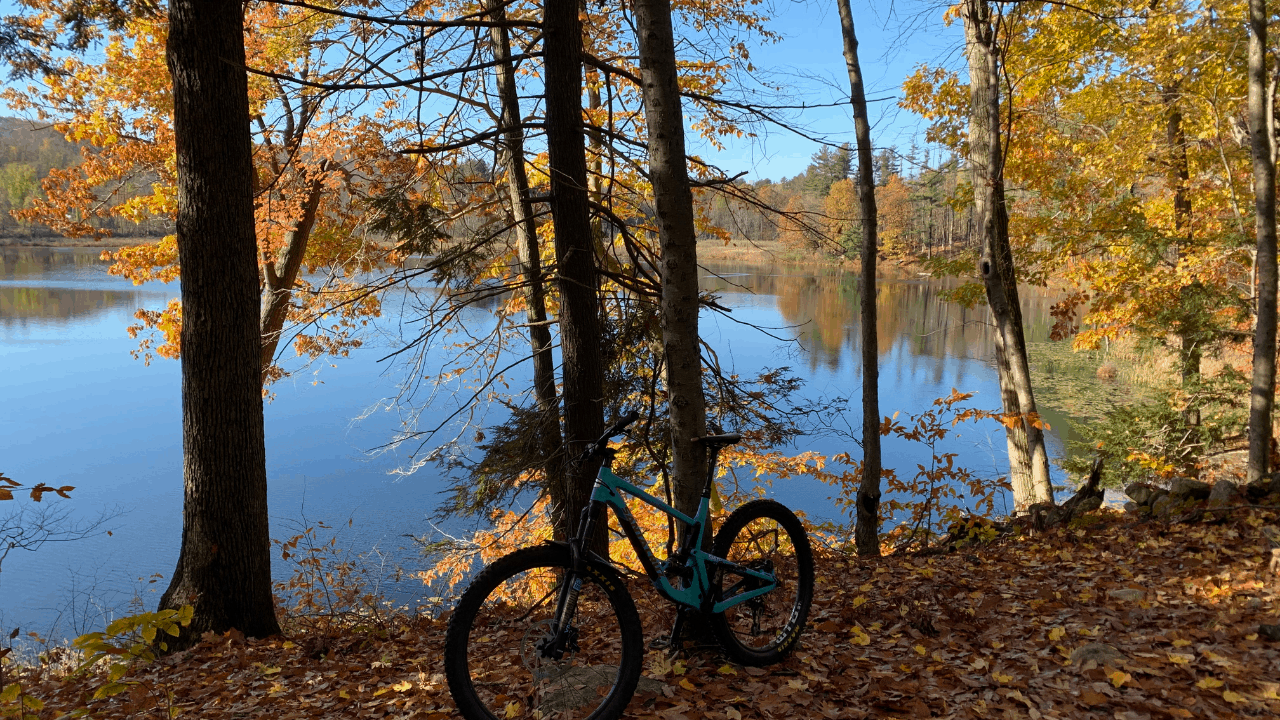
<point x="752" y="536"/>
<point x="491" y="661"/>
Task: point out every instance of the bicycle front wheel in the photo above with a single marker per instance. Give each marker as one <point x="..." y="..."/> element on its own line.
<point x="765" y="536"/>
<point x="494" y="657"/>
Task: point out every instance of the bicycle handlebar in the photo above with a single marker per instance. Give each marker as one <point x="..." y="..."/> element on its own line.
<point x="617" y="428"/>
<point x="596" y="448"/>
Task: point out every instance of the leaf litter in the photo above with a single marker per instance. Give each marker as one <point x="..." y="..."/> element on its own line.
<point x="1119" y="619"/>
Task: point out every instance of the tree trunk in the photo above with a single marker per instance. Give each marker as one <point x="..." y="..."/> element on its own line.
<point x="526" y="231"/>
<point x="1262" y="396"/>
<point x="224" y="565"/>
<point x="673" y="200"/>
<point x="280" y="276"/>
<point x="1030" y="481"/>
<point x="1190" y="348"/>
<point x="583" y="372"/>
<point x="867" y="532"/>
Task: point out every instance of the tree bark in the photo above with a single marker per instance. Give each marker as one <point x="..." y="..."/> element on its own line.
<point x="867" y="532"/>
<point x="530" y="259"/>
<point x="580" y="338"/>
<point x="279" y="276"/>
<point x="224" y="565"/>
<point x="1029" y="468"/>
<point x="673" y="200"/>
<point x="1262" y="395"/>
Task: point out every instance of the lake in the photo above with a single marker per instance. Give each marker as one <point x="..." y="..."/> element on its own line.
<point x="80" y="410"/>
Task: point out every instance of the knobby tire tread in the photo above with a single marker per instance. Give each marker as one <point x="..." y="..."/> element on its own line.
<point x="737" y="520"/>
<point x="456" y="637"/>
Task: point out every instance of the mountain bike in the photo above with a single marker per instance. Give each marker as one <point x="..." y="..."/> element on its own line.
<point x="550" y="631"/>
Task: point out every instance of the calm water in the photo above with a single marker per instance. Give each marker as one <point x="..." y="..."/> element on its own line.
<point x="79" y="410"/>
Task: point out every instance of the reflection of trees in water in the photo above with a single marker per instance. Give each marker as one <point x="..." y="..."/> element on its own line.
<point x="913" y="321"/>
<point x="19" y="305"/>
<point x="22" y="304"/>
<point x="21" y="262"/>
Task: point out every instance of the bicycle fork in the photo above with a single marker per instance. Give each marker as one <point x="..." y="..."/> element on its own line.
<point x="563" y="637"/>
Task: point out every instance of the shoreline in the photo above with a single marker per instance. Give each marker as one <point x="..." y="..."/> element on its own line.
<point x="106" y="243"/>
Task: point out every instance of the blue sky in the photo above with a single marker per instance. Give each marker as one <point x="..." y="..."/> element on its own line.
<point x="893" y="38"/>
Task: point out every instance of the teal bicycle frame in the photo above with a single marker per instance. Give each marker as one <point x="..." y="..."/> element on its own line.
<point x="690" y="563"/>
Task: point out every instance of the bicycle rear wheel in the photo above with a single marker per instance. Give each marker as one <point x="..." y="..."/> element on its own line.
<point x="762" y="535"/>
<point x="493" y="660"/>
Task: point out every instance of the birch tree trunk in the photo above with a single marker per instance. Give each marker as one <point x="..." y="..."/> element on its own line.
<point x="527" y="251"/>
<point x="583" y="371"/>
<point x="1028" y="460"/>
<point x="224" y="564"/>
<point x="1262" y="396"/>
<point x="673" y="199"/>
<point x="867" y="532"/>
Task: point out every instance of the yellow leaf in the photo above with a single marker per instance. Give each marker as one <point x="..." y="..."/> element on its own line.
<point x="1056" y="634"/>
<point x="1208" y="683"/>
<point x="1180" y="659"/>
<point x="1181" y="643"/>
<point x="1232" y="697"/>
<point x="860" y="636"/>
<point x="344" y="695"/>
<point x="10" y="693"/>
<point x="727" y="669"/>
<point x="270" y="670"/>
<point x="684" y="683"/>
<point x="1119" y="677"/>
<point x="512" y="709"/>
<point x="403" y="686"/>
<point x="679" y="668"/>
<point x="919" y="650"/>
<point x="289" y="645"/>
<point x="1001" y="677"/>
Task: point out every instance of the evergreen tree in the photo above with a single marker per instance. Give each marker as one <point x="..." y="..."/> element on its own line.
<point x="886" y="165"/>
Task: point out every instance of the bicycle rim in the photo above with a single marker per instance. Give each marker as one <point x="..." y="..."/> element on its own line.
<point x="509" y="613"/>
<point x="769" y="539"/>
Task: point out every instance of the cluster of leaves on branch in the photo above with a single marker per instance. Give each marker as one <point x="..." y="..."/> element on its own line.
<point x="8" y="485"/>
<point x="1110" y="617"/>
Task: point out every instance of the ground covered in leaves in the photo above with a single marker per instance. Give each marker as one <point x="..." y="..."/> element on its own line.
<point x="1118" y="618"/>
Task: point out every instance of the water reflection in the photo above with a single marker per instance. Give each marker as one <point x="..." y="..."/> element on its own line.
<point x="823" y="308"/>
<point x="61" y="288"/>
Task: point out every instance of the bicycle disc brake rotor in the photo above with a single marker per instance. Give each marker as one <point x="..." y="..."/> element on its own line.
<point x="544" y="668"/>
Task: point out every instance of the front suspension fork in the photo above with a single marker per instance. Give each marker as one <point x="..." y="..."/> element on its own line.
<point x="567" y="602"/>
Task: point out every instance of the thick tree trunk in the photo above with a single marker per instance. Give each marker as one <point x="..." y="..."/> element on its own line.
<point x="526" y="231"/>
<point x="224" y="565"/>
<point x="1262" y="396"/>
<point x="1030" y="481"/>
<point x="867" y="531"/>
<point x="583" y="372"/>
<point x="280" y="276"/>
<point x="674" y="203"/>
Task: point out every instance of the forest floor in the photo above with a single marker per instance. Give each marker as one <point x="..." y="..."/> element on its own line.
<point x="1116" y="617"/>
